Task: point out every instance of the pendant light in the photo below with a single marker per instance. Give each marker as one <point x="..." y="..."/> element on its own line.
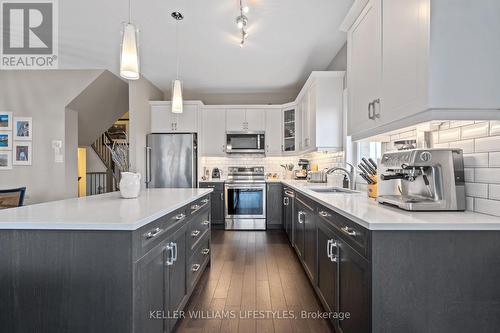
<point x="129" y="52"/>
<point x="177" y="101"/>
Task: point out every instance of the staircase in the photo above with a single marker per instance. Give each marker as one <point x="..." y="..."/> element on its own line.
<point x="98" y="183"/>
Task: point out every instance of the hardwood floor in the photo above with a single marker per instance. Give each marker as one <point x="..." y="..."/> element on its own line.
<point x="252" y="271"/>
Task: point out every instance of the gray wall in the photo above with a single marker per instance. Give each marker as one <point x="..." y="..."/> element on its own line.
<point x="140" y="92"/>
<point x="339" y="62"/>
<point x="44" y="95"/>
<point x="67" y="105"/>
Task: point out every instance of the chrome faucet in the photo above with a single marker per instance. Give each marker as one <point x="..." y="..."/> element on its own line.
<point x="350" y="174"/>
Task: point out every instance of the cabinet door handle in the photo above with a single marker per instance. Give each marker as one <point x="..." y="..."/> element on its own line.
<point x="205" y="251"/>
<point x="195" y="233"/>
<point x="370" y="109"/>
<point x="349" y="231"/>
<point x="329" y="248"/>
<point x="170" y="257"/>
<point x="286" y="201"/>
<point x="333" y="244"/>
<point x="223" y="148"/>
<point x="324" y="214"/>
<point x="376" y="114"/>
<point x="301" y="213"/>
<point x="222" y="196"/>
<point x="205" y="223"/>
<point x="180" y="217"/>
<point x="195" y="267"/>
<point x="153" y="233"/>
<point x="174" y="250"/>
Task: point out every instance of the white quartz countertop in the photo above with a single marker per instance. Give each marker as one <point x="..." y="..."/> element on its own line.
<point x="374" y="216"/>
<point x="100" y="212"/>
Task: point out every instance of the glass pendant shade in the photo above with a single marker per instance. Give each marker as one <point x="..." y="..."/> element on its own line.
<point x="177" y="97"/>
<point x="129" y="57"/>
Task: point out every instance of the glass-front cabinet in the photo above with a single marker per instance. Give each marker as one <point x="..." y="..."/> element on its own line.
<point x="290" y="129"/>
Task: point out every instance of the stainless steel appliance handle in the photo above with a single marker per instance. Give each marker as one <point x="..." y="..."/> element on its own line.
<point x="148" y="165"/>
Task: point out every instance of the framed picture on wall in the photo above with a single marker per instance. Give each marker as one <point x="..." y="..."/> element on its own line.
<point x="5" y="121"/>
<point x="5" y="160"/>
<point x="5" y="141"/>
<point x="22" y="153"/>
<point x="23" y="128"/>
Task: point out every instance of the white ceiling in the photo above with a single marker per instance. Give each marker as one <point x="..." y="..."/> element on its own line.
<point x="287" y="40"/>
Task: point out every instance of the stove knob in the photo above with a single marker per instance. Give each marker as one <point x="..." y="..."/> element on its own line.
<point x="425" y="156"/>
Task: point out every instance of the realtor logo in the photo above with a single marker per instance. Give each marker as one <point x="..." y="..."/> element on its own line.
<point x="28" y="34"/>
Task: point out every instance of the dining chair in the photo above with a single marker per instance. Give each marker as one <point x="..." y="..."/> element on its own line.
<point x="12" y="197"/>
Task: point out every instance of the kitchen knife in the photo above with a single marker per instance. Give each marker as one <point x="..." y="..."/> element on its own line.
<point x="374" y="165"/>
<point x="368" y="180"/>
<point x="363" y="168"/>
<point x="368" y="166"/>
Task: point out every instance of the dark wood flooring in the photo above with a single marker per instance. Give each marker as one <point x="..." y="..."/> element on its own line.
<point x="253" y="271"/>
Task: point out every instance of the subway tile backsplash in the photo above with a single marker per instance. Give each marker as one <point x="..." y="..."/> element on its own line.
<point x="480" y="142"/>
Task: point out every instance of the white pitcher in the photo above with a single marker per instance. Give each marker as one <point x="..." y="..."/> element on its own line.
<point x="130" y="185"/>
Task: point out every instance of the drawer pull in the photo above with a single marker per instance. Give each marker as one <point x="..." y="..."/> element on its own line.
<point x="195" y="233"/>
<point x="195" y="267"/>
<point x="205" y="223"/>
<point x="153" y="233"/>
<point x="324" y="214"/>
<point x="349" y="231"/>
<point x="180" y="217"/>
<point x="195" y="207"/>
<point x="205" y="201"/>
<point x="205" y="251"/>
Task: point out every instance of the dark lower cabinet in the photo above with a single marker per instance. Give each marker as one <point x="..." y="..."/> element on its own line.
<point x="299" y="227"/>
<point x="217" y="201"/>
<point x="274" y="206"/>
<point x="354" y="290"/>
<point x="151" y="286"/>
<point x="176" y="267"/>
<point x="288" y="213"/>
<point x="161" y="284"/>
<point x="305" y="235"/>
<point x="328" y="267"/>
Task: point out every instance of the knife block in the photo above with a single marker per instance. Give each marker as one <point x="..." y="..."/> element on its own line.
<point x="373" y="188"/>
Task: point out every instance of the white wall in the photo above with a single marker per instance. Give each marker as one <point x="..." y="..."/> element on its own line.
<point x="140" y="93"/>
<point x="43" y="95"/>
<point x="339" y="62"/>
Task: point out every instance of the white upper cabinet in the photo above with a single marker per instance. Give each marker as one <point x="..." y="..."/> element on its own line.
<point x="213" y="138"/>
<point x="321" y="108"/>
<point x="273" y="131"/>
<point x="236" y="120"/>
<point x="241" y="119"/>
<point x="364" y="66"/>
<point x="256" y="119"/>
<point x="414" y="66"/>
<point x="164" y="121"/>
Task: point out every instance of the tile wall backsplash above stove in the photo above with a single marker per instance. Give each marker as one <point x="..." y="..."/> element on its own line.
<point x="480" y="142"/>
<point x="271" y="163"/>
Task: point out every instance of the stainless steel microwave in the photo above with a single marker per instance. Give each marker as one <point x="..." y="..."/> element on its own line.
<point x="245" y="143"/>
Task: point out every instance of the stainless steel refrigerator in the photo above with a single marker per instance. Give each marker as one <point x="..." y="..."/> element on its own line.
<point x="171" y="160"/>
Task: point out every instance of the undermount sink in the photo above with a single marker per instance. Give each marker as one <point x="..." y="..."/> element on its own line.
<point x="333" y="190"/>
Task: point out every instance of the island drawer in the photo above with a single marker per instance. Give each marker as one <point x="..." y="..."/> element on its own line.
<point x="148" y="236"/>
<point x="352" y="233"/>
<point x="198" y="261"/>
<point x="199" y="204"/>
<point x="199" y="225"/>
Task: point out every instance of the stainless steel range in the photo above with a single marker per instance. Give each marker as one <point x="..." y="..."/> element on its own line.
<point x="245" y="203"/>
